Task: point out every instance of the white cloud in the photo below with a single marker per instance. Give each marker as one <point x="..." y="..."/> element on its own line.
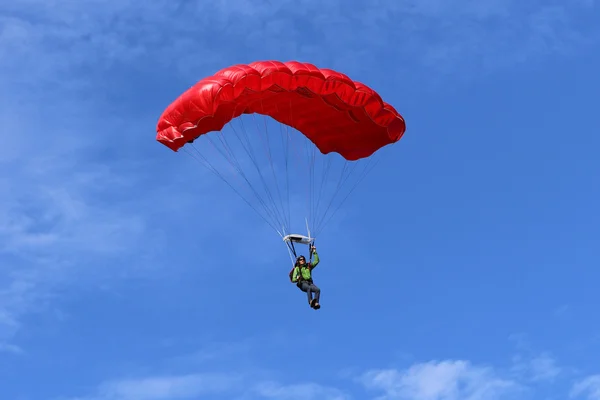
<point x="210" y="385"/>
<point x="93" y="36"/>
<point x="166" y="387"/>
<point x="588" y="388"/>
<point x="433" y="380"/>
<point x="539" y="368"/>
<point x="67" y="210"/>
<point x="10" y="348"/>
<point x="301" y="391"/>
<point x="443" y="380"/>
<point x="544" y="367"/>
<point x="58" y="218"/>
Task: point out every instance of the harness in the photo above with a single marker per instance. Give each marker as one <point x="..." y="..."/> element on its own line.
<point x="300" y="277"/>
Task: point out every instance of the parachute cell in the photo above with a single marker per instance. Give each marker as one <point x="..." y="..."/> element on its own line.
<point x="334" y="112"/>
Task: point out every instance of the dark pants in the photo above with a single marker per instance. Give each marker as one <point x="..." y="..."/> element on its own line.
<point x="310" y="288"/>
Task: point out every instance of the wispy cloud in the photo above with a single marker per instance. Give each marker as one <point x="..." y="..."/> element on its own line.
<point x="10" y="348"/>
<point x="440" y="380"/>
<point x="248" y="385"/>
<point x="432" y="380"/>
<point x="67" y="210"/>
<point x="60" y="213"/>
<point x="77" y="210"/>
<point x="90" y="38"/>
<point x="28" y="278"/>
<point x="588" y="388"/>
<point x="301" y="391"/>
<point x="537" y="369"/>
<point x="165" y="387"/>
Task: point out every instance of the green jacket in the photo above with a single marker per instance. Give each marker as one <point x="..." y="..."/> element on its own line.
<point x="306" y="269"/>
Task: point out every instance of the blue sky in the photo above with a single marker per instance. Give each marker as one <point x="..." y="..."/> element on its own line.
<point x="463" y="268"/>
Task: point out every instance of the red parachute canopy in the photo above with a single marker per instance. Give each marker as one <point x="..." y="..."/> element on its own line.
<point x="334" y="112"/>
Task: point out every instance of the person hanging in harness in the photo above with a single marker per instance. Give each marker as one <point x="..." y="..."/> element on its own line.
<point x="301" y="275"/>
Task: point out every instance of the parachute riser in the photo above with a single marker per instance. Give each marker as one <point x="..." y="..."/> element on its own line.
<point x="311" y="242"/>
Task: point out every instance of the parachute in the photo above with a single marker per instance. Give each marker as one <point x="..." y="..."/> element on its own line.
<point x="319" y="108"/>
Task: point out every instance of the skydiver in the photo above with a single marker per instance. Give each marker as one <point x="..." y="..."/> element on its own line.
<point x="301" y="274"/>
